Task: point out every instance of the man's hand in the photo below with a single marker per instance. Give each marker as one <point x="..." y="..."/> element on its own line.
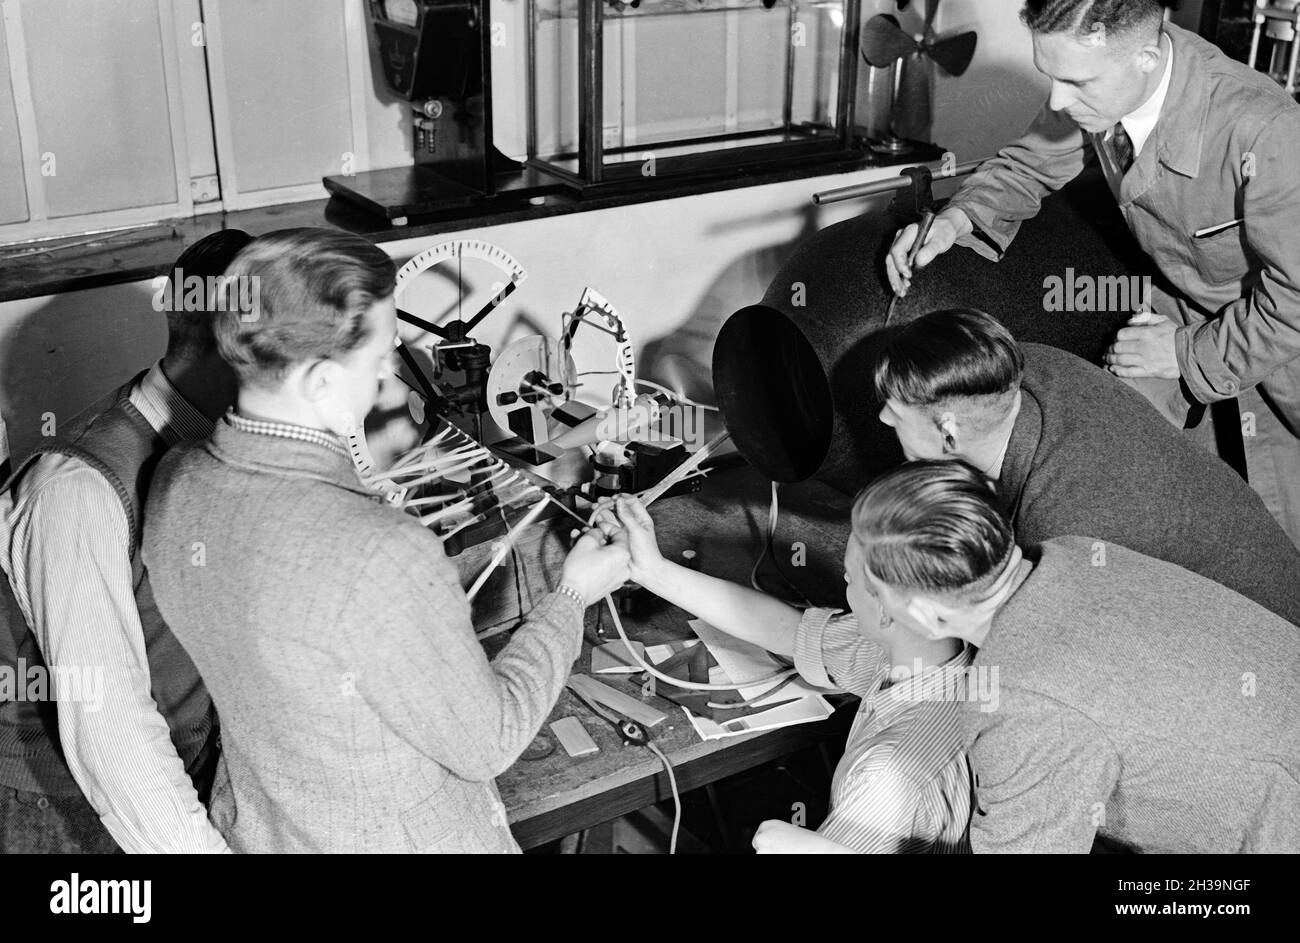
<point x="775" y="837"/>
<point x="1144" y="349"/>
<point x="596" y="568"/>
<point x="630" y="514"/>
<point x="948" y="227"/>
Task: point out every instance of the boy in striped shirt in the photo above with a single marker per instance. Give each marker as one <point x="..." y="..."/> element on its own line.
<point x="904" y="783"/>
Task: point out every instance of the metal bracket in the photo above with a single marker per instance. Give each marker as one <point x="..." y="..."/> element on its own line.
<point x="913" y="200"/>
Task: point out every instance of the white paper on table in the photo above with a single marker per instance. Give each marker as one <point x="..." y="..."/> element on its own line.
<point x="662" y="652"/>
<point x="739" y="661"/>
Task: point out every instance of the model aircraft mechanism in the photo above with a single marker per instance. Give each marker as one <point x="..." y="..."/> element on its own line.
<point x="501" y="433"/>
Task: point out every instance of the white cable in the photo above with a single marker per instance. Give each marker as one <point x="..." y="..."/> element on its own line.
<point x="506" y="543"/>
<point x="677" y="396"/>
<point x="677" y="682"/>
<point x="677" y="799"/>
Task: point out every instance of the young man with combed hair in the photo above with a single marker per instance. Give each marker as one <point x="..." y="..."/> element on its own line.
<point x="1136" y="701"/>
<point x="359" y="712"/>
<point x="1075" y="451"/>
<point x="132" y="768"/>
<point x="1200" y="152"/>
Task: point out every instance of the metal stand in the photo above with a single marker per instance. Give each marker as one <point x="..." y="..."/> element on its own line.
<point x="1280" y="21"/>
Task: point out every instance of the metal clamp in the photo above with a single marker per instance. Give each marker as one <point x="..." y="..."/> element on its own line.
<point x="914" y="199"/>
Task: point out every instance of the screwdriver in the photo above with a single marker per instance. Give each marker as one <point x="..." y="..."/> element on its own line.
<point x="927" y="220"/>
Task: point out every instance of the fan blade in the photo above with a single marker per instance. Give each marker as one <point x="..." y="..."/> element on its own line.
<point x="954" y="52"/>
<point x="884" y="43"/>
<point x="912" y="105"/>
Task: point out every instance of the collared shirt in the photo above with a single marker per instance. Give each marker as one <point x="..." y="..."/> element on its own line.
<point x="904" y="782"/>
<point x="1141" y="121"/>
<point x="65" y="527"/>
<point x="288" y="431"/>
<point x="1138" y="126"/>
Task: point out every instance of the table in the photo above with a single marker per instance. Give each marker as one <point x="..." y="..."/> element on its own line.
<point x="724" y="525"/>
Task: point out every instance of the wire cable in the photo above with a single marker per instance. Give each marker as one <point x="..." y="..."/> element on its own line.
<point x="769" y="547"/>
<point x="677" y="798"/>
<point x="677" y="396"/>
<point x="678" y="682"/>
<point x="750" y="702"/>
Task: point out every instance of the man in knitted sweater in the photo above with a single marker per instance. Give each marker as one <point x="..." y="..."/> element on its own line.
<point x="359" y="713"/>
<point x="1136" y="701"/>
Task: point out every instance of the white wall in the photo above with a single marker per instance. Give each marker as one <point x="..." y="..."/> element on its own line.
<point x="1000" y="93"/>
<point x="675" y="268"/>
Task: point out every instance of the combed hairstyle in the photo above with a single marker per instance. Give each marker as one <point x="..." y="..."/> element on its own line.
<point x="943" y="355"/>
<point x="933" y="526"/>
<point x="189" y="333"/>
<point x="1085" y="17"/>
<point x="311" y="290"/>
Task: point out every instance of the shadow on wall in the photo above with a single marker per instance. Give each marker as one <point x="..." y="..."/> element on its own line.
<point x="972" y="124"/>
<point x="978" y="113"/>
<point x="682" y="360"/>
<point x="59" y="354"/>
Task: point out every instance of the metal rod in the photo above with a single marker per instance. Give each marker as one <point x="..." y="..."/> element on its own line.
<point x="591" y="70"/>
<point x="1253" y="57"/>
<point x="877" y="187"/>
<point x="847" y="111"/>
<point x="1295" y="55"/>
<point x="530" y="80"/>
<point x="787" y="104"/>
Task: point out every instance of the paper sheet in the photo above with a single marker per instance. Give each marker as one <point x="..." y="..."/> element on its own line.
<point x="740" y="661"/>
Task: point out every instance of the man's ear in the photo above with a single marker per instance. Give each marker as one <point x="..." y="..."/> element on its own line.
<point x="1148" y="55"/>
<point x="316" y="378"/>
<point x="950" y="431"/>
<point x="930" y="615"/>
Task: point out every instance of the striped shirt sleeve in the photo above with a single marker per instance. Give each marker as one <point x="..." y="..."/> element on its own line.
<point x="881" y="812"/>
<point x="829" y="652"/>
<point x="71" y="574"/>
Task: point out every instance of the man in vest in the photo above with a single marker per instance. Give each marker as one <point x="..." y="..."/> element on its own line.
<point x="108" y="737"/>
<point x="1200" y="152"/>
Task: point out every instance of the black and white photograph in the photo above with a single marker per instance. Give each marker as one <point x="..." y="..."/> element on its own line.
<point x="651" y="427"/>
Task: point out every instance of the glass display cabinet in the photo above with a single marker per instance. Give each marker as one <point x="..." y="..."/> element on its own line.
<point x="606" y="94"/>
<point x="659" y="88"/>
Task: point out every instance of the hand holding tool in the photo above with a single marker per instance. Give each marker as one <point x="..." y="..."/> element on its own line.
<point x="927" y="221"/>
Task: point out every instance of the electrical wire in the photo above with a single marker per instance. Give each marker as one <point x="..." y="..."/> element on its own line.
<point x="506" y="543"/>
<point x="773" y="514"/>
<point x="678" y="682"/>
<point x="677" y="798"/>
<point x="677" y="396"/>
<point x="750" y="702"/>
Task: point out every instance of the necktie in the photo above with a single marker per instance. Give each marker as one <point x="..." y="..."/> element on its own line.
<point x="1122" y="147"/>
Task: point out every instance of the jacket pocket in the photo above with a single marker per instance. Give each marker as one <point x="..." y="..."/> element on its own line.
<point x="1221" y="258"/>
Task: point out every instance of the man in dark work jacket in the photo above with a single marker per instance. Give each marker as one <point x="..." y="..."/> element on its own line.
<point x="1074" y="451"/>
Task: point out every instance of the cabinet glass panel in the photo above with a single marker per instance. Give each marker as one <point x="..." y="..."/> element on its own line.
<point x="685" y="77"/>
